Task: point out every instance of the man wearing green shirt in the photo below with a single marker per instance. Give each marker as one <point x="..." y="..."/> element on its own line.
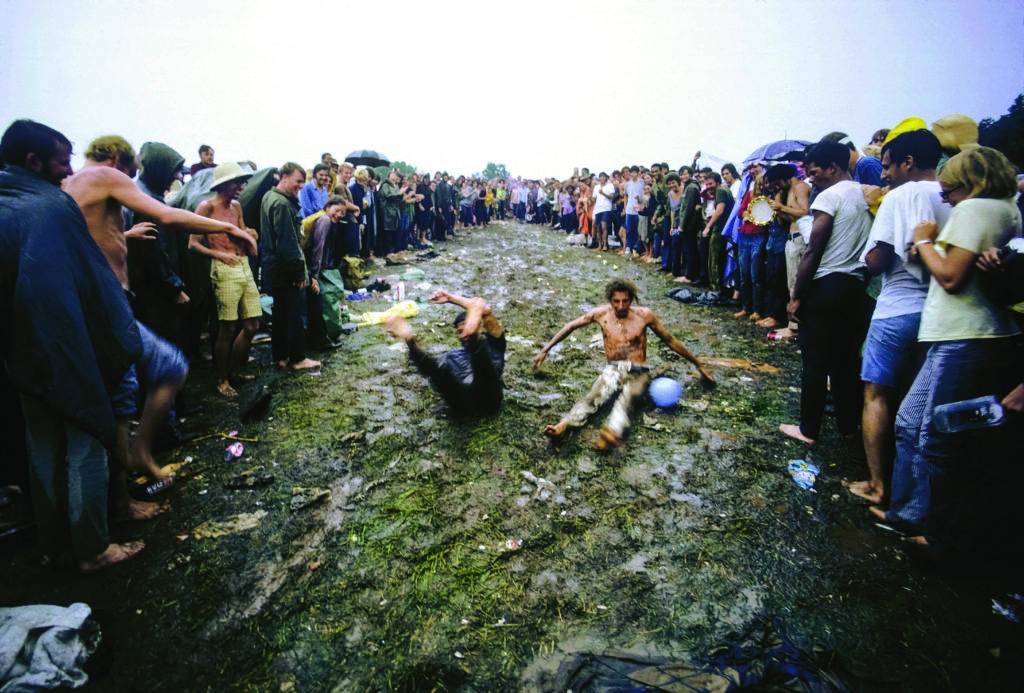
<point x="390" y="197"/>
<point x="713" y="229"/>
<point x="283" y="264"/>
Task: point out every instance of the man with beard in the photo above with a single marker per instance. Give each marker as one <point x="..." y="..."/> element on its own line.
<point x="624" y="328"/>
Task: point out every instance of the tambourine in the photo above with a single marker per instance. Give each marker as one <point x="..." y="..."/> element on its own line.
<point x="759" y="211"/>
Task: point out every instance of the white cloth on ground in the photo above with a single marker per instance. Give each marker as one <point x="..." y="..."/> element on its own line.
<point x="45" y="646"/>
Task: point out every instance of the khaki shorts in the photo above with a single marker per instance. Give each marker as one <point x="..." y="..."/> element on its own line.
<point x="235" y="289"/>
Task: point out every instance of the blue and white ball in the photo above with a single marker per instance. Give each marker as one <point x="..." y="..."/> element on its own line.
<point x="665" y="392"/>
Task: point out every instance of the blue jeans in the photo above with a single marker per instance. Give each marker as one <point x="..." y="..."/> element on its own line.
<point x="69" y="478"/>
<point x="938" y="478"/>
<point x="752" y="247"/>
<point x="633" y="233"/>
<point x="658" y="236"/>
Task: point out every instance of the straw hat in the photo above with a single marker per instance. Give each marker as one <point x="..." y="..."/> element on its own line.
<point x="956" y="132"/>
<point x="225" y="173"/>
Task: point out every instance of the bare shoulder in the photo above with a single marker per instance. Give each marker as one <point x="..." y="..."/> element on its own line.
<point x="204" y="208"/>
<point x="645" y="313"/>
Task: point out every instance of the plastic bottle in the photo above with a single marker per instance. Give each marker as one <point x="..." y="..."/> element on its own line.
<point x="970" y="414"/>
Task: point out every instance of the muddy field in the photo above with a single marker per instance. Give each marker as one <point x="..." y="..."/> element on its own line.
<point x="401" y="575"/>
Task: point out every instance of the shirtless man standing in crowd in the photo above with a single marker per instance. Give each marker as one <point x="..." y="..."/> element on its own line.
<point x="238" y="298"/>
<point x="624" y="327"/>
<point x="791" y="204"/>
<point x="101" y="188"/>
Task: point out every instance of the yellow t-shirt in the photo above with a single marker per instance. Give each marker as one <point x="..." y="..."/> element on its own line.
<point x="975" y="225"/>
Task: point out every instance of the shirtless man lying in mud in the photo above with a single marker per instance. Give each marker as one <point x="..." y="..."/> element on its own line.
<point x="624" y="327"/>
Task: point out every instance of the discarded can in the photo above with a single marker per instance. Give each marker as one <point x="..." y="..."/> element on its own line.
<point x="233" y="451"/>
<point x="151" y="489"/>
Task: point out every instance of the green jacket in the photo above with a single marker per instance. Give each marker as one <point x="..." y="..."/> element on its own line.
<point x="281" y="258"/>
<point x="661" y="208"/>
<point x="390" y="198"/>
<point x="689" y="208"/>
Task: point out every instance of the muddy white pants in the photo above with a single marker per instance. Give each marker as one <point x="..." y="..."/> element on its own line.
<point x="616" y="376"/>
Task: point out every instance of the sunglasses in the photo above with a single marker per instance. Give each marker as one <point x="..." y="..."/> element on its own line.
<point x="944" y="194"/>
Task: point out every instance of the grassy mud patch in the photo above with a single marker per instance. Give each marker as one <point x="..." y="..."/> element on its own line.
<point x="461" y="556"/>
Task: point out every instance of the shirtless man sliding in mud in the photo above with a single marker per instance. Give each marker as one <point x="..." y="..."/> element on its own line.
<point x="101" y="187"/>
<point x="624" y="327"/>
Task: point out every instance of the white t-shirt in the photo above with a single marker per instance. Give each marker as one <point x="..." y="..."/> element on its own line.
<point x="602" y="203"/>
<point x="904" y="286"/>
<point x="634" y="189"/>
<point x="851" y="224"/>
<point x="735" y="189"/>
<point x="975" y="225"/>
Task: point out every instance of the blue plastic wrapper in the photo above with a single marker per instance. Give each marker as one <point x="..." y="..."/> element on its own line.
<point x="804" y="473"/>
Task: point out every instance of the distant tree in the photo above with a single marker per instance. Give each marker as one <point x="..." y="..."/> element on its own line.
<point x="1006" y="133"/>
<point x="403" y="168"/>
<point x="493" y="170"/>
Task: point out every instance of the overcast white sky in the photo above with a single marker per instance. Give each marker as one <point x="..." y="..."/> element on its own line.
<point x="539" y="86"/>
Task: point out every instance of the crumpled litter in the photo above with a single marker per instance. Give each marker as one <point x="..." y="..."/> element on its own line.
<point x="250" y="478"/>
<point x="405" y="309"/>
<point x="303" y="496"/>
<point x="804" y="473"/>
<point x="211" y="529"/>
<point x="544" y="489"/>
<point x="44" y="646"/>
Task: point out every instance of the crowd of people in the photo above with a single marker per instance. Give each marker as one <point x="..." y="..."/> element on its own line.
<point x="110" y="277"/>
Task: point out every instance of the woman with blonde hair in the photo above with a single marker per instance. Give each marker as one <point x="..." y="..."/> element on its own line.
<point x="952" y="501"/>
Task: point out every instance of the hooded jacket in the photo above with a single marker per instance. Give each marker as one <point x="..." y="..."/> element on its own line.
<point x="155" y="267"/>
<point x="71" y="333"/>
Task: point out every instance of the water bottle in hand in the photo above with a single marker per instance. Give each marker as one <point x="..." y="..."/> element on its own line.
<point x="970" y="414"/>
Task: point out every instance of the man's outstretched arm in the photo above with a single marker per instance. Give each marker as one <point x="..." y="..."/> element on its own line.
<point x="123" y="190"/>
<point x="584" y="319"/>
<point x="675" y="345"/>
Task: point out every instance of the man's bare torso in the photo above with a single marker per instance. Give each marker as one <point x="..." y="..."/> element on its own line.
<point x="102" y="214"/>
<point x="230" y="213"/>
<point x="625" y="339"/>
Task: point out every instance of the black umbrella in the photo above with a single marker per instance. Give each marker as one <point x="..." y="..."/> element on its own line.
<point x="367" y="157"/>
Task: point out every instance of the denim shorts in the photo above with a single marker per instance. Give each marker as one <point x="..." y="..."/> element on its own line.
<point x="161" y="362"/>
<point x="603" y="217"/>
<point x="891" y="350"/>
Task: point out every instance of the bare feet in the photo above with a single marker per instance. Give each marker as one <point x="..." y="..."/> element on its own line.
<point x="305" y="364"/>
<point x="755" y="316"/>
<point x="114" y="554"/>
<point x="683" y="280"/>
<point x="740" y="314"/>
<point x="867" y="490"/>
<point x="878" y="513"/>
<point x="140" y="459"/>
<point x="556" y="432"/>
<point x="784" y="334"/>
<point x="145" y="510"/>
<point x="916" y="541"/>
<point x="609" y="440"/>
<point x="225" y="389"/>
<point x="793" y="431"/>
<point x="768" y="322"/>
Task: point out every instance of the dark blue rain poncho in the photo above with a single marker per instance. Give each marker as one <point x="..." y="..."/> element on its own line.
<point x="68" y="334"/>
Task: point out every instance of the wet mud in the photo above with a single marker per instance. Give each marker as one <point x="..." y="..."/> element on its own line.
<point x="461" y="556"/>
